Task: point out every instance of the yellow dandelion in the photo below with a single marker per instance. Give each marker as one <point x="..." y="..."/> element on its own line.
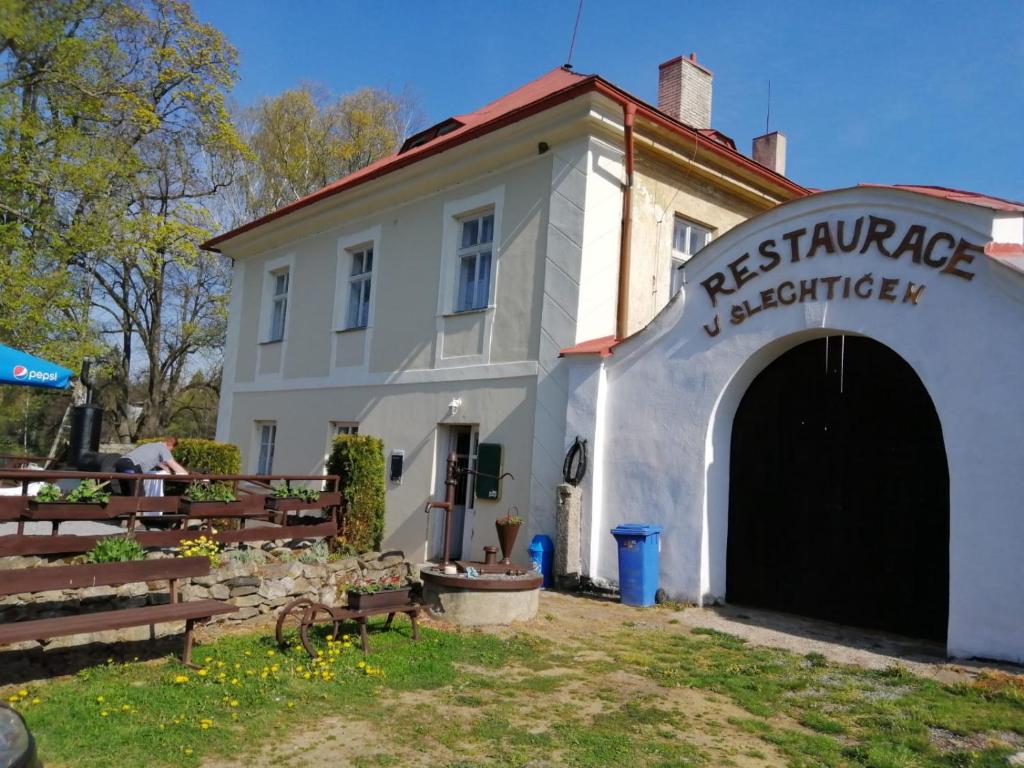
<point x="104" y="713"/>
<point x="361" y="664"/>
<point x="23" y="693"/>
<point x="291" y="705"/>
<point x="36" y="700"/>
<point x="271" y="653"/>
<point x="188" y="750"/>
<point x="234" y="702"/>
<point x="202" y="673"/>
<point x="181" y="679"/>
<point x="125" y="708"/>
<point x="100" y="699"/>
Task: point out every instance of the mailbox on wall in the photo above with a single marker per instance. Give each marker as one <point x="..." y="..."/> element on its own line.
<point x="488" y="466"/>
<point x="397" y="467"/>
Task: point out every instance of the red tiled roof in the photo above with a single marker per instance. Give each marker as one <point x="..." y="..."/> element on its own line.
<point x="956" y="195"/>
<point x="1008" y="254"/>
<point x="602" y="346"/>
<point x="546" y="91"/>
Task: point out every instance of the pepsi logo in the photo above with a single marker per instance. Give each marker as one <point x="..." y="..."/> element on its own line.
<point x="22" y="373"/>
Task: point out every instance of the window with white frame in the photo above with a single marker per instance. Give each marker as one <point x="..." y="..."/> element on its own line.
<point x="279" y="304"/>
<point x="266" y="435"/>
<point x="475" y="247"/>
<point x="344" y="428"/>
<point x="339" y="428"/>
<point x="687" y="239"/>
<point x="358" y="312"/>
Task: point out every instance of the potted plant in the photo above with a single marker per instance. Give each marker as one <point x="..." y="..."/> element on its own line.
<point x="287" y="497"/>
<point x="90" y="500"/>
<point x="508" y="529"/>
<point x="387" y="592"/>
<point x="206" y="499"/>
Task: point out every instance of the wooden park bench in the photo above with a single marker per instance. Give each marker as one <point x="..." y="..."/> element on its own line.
<point x="303" y="614"/>
<point x="45" y="579"/>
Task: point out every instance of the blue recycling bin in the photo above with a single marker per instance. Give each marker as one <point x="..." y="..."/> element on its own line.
<point x="542" y="551"/>
<point x="639" y="549"/>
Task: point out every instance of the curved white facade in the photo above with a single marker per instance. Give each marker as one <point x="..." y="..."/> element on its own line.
<point x="915" y="276"/>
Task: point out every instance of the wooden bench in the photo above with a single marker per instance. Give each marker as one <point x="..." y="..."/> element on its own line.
<point x="45" y="579"/>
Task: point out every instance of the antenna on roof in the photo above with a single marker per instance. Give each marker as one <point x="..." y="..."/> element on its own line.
<point x="572" y="42"/>
<point x="768" y="115"/>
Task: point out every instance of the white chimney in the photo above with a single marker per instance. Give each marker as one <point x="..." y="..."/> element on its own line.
<point x="770" y="151"/>
<point x="684" y="91"/>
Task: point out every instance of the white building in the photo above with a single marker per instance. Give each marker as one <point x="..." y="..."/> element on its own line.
<point x="828" y="418"/>
<point x="426" y="298"/>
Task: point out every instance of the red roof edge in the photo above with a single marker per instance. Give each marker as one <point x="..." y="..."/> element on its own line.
<point x="956" y="195"/>
<point x="1004" y="250"/>
<point x="449" y="141"/>
<point x="602" y="346"/>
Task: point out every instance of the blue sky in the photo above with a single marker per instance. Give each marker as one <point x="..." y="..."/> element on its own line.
<point x="886" y="92"/>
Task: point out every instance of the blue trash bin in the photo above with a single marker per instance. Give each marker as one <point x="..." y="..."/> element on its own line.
<point x="542" y="551"/>
<point x="639" y="549"/>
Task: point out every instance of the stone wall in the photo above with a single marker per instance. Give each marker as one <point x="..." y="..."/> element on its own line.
<point x="255" y="581"/>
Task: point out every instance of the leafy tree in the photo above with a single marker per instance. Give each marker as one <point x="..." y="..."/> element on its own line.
<point x="114" y="124"/>
<point x="304" y="139"/>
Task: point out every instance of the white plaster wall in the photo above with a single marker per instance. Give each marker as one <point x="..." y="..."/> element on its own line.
<point x="578" y="296"/>
<point x="673" y="390"/>
<point x="407" y="417"/>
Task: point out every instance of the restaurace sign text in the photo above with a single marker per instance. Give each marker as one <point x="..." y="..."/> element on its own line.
<point x="938" y="251"/>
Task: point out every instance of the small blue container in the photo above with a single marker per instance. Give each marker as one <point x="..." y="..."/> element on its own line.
<point x="542" y="551"/>
<point x="639" y="550"/>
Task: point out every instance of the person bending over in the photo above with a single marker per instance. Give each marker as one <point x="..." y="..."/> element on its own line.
<point x="151" y="456"/>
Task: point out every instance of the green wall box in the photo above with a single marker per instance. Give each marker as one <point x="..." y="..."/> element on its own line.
<point x="488" y="462"/>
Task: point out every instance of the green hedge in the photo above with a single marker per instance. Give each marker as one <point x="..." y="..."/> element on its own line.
<point x="359" y="461"/>
<point x="206" y="456"/>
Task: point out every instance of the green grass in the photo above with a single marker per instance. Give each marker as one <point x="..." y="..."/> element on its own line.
<point x="842" y="715"/>
<point x="478" y="699"/>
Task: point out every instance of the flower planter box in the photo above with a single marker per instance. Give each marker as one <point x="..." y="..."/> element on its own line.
<point x="220" y="508"/>
<point x="385" y="599"/>
<point x="73" y="510"/>
<point x="291" y="504"/>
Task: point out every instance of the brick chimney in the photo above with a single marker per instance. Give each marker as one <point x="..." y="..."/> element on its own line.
<point x="684" y="91"/>
<point x="770" y="151"/>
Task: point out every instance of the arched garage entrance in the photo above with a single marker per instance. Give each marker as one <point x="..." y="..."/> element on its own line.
<point x="839" y="491"/>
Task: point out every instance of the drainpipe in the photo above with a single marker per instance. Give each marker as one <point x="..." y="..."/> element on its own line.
<point x="622" y="309"/>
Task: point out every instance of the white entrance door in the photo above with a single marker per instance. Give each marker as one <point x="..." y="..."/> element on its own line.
<point x="462" y="439"/>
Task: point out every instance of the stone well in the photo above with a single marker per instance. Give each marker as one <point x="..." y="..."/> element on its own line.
<point x="487" y="599"/>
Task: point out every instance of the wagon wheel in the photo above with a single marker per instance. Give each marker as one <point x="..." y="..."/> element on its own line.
<point x="301" y="614"/>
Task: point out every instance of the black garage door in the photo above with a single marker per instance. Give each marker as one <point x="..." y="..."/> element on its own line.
<point x="839" y="491"/>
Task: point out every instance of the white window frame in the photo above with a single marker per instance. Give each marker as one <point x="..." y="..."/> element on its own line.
<point x="682" y="255"/>
<point x="262" y="428"/>
<point x="348" y="245"/>
<point x="344" y="428"/>
<point x="360" y="284"/>
<point x="272" y="269"/>
<point x="480" y="252"/>
<point x="334" y="428"/>
<point x="279" y="304"/>
<point x="455" y="211"/>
